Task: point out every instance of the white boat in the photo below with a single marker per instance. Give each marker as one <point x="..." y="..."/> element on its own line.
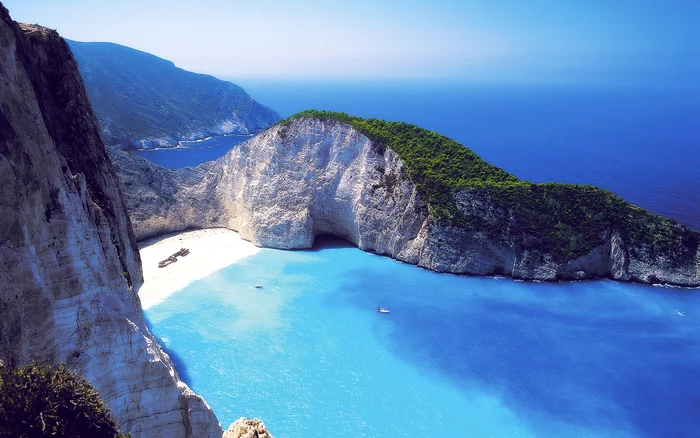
<point x="258" y="286"/>
<point x="382" y="310"/>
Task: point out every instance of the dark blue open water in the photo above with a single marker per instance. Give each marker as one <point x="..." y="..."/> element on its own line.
<point x="460" y="356"/>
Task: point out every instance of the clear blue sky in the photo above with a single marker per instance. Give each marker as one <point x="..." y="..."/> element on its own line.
<point x="391" y="39"/>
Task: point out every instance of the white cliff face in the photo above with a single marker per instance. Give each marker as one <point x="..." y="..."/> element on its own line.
<point x="295" y="182"/>
<point x="310" y="177"/>
<point x="283" y="188"/>
<point x="70" y="265"/>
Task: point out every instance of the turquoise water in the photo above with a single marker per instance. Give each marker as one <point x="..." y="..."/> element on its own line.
<point x="456" y="357"/>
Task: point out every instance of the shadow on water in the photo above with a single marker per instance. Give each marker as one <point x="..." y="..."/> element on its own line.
<point x="329" y="241"/>
<point x="178" y="362"/>
<point x="606" y="370"/>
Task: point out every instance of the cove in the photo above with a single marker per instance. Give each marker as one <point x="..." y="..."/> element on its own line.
<point x="457" y="356"/>
<point x="192" y="153"/>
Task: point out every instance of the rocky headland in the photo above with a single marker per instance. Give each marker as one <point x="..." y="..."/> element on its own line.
<point x="410" y="194"/>
<point x="70" y="264"/>
<point x="142" y="101"/>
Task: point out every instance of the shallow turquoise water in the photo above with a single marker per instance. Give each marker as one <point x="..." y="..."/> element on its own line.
<point x="456" y="357"/>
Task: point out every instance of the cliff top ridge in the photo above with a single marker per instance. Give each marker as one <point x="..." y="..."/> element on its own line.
<point x="569" y="220"/>
<point x="32" y="29"/>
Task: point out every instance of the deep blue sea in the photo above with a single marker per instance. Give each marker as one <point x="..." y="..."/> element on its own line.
<point x="462" y="356"/>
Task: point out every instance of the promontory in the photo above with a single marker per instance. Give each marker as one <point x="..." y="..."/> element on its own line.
<point x="411" y="194"/>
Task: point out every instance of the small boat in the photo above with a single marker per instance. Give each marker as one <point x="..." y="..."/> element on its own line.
<point x="258" y="286"/>
<point x="382" y="310"/>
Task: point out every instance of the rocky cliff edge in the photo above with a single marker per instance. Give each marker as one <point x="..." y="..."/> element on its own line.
<point x="70" y="265"/>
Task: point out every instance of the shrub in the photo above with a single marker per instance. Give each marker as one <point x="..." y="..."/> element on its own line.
<point x="47" y="401"/>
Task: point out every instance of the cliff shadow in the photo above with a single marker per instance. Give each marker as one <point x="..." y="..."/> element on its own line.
<point x="151" y="240"/>
<point x="177" y="361"/>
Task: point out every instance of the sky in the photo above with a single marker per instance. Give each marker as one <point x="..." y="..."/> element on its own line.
<point x="392" y="39"/>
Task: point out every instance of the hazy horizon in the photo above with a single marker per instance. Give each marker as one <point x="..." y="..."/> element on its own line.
<point x="404" y="40"/>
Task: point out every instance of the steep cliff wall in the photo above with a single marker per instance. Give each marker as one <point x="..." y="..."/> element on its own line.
<point x="69" y="260"/>
<point x="281" y="189"/>
<point x="311" y="177"/>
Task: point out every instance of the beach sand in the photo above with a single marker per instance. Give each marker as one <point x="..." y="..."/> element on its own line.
<point x="210" y="250"/>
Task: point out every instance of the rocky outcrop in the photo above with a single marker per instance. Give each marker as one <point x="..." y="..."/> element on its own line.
<point x="161" y="201"/>
<point x="70" y="265"/>
<point x="311" y="177"/>
<point x="247" y="428"/>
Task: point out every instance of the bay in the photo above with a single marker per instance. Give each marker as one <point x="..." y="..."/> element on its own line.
<point x="462" y="356"/>
<point x="457" y="356"/>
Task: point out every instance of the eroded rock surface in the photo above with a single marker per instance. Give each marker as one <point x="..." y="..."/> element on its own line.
<point x="247" y="428"/>
<point x="311" y="177"/>
<point x="70" y="265"/>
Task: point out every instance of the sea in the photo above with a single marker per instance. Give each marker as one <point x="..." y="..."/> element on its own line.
<point x="192" y="153"/>
<point x="461" y="356"/>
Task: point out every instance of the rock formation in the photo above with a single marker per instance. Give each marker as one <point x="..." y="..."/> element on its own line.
<point x="311" y="177"/>
<point x="247" y="428"/>
<point x="70" y="265"/>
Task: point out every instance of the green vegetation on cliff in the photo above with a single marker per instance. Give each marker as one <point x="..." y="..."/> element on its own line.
<point x="51" y="402"/>
<point x="566" y="220"/>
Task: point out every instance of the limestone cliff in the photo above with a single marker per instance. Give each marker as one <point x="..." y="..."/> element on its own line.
<point x="310" y="177"/>
<point x="70" y="265"/>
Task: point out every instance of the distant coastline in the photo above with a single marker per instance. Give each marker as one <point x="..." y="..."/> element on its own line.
<point x="180" y="144"/>
<point x="208" y="149"/>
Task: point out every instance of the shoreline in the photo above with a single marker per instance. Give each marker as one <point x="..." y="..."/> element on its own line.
<point x="211" y="249"/>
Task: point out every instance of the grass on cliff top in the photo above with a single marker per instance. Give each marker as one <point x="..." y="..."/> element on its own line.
<point x="566" y="220"/>
<point x="50" y="401"/>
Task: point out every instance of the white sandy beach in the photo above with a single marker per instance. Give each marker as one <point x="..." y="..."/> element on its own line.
<point x="210" y="250"/>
